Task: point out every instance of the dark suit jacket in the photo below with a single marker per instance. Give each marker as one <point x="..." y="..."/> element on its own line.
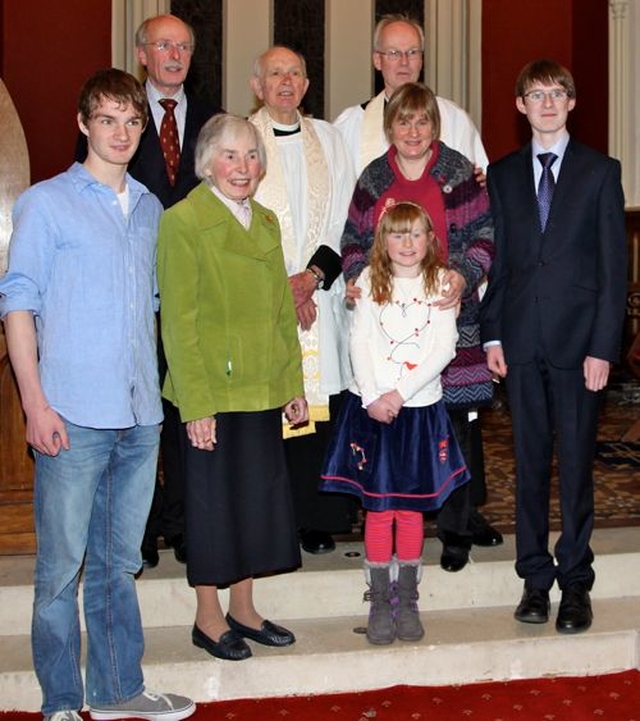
<point x="561" y="293"/>
<point x="147" y="165"/>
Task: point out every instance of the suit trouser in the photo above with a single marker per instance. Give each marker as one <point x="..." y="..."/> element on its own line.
<point x="552" y="404"/>
<point x="453" y="517"/>
<point x="328" y="512"/>
<point x="166" y="517"/>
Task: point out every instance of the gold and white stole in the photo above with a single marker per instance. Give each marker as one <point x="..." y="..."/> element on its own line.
<point x="372" y="142"/>
<point x="273" y="194"/>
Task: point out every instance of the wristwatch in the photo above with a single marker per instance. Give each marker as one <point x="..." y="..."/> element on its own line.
<point x="316" y="273"/>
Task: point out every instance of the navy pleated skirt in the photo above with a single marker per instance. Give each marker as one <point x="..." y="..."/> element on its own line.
<point x="412" y="464"/>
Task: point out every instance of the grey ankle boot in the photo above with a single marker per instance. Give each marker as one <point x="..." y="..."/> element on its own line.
<point x="408" y="624"/>
<point x="381" y="628"/>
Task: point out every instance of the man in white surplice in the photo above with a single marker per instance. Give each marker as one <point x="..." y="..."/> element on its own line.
<point x="308" y="184"/>
<point x="398" y="50"/>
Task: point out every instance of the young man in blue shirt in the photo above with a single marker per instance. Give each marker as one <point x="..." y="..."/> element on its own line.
<point x="78" y="305"/>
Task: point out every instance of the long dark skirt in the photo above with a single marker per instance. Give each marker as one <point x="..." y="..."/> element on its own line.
<point x="239" y="518"/>
<point x="413" y="463"/>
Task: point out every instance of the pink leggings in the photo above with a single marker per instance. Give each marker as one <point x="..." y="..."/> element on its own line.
<point x="378" y="535"/>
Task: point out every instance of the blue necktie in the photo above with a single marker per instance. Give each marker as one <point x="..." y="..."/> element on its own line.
<point x="546" y="186"/>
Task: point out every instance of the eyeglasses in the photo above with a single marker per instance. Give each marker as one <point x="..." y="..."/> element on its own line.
<point x="537" y="96"/>
<point x="164" y="46"/>
<point x="396" y="55"/>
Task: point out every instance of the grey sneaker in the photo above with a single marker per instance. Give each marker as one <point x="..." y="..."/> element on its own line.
<point x="149" y="706"/>
<point x="62" y="716"/>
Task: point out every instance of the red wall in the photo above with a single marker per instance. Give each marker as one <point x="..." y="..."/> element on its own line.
<point x="49" y="48"/>
<point x="573" y="32"/>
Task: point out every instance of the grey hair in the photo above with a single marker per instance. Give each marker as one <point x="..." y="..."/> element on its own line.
<point x="142" y="33"/>
<point x="213" y="134"/>
<point x="396" y="18"/>
<point x="258" y="65"/>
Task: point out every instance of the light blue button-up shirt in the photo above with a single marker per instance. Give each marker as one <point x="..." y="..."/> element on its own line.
<point x="87" y="273"/>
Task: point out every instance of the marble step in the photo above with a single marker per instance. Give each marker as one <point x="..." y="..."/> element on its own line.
<point x="332" y="584"/>
<point x="471" y="634"/>
<point x="331" y="655"/>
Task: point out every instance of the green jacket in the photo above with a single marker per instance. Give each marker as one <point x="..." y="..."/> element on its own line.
<point x="227" y="313"/>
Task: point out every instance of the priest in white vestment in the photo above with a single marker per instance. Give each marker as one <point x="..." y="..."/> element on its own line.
<point x="308" y="184"/>
<point x="398" y="44"/>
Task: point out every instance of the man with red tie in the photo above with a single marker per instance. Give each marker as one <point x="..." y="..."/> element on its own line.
<point x="165" y="164"/>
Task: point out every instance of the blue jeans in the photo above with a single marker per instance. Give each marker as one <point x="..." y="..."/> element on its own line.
<point x="91" y="505"/>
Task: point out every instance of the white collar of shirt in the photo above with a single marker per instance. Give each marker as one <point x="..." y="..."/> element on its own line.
<point x="157" y="111"/>
<point x="241" y="211"/>
<point x="558" y="148"/>
<point x="123" y="199"/>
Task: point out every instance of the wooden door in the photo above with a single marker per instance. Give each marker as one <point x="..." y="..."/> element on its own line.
<point x="16" y="465"/>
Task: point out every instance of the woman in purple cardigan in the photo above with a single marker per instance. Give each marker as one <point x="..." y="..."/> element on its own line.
<point x="420" y="168"/>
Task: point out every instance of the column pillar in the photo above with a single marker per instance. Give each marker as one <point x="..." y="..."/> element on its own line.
<point x="453" y="59"/>
<point x="624" y="104"/>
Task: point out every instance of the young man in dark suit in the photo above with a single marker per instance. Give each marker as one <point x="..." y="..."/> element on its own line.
<point x="552" y="324"/>
<point x="165" y="45"/>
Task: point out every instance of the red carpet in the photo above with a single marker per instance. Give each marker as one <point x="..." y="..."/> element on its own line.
<point x="614" y="697"/>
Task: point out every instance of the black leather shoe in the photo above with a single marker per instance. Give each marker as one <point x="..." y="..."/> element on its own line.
<point x="454" y="558"/>
<point x="316" y="541"/>
<point x="533" y="607"/>
<point x="482" y="533"/>
<point x="230" y="647"/>
<point x="269" y="633"/>
<point x="179" y="547"/>
<point x="149" y="550"/>
<point x="574" y="613"/>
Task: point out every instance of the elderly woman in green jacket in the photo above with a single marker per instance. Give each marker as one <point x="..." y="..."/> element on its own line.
<point x="234" y="365"/>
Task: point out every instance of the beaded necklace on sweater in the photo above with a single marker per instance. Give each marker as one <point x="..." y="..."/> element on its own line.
<point x="403" y="321"/>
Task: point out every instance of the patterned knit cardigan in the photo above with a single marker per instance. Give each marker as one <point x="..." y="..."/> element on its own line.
<point x="467" y="380"/>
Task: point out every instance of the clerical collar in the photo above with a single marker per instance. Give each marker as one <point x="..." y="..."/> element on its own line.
<point x="280" y="129"/>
